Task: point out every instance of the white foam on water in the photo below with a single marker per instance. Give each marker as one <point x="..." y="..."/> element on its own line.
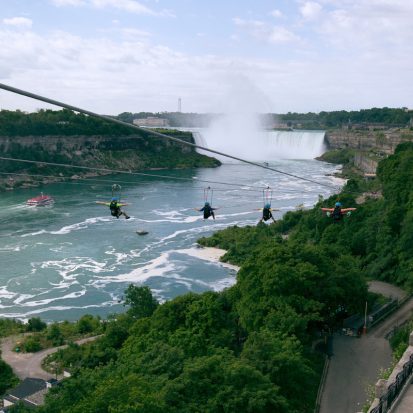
<point x="32" y="234"/>
<point x="75" y="294"/>
<point x="22" y="298"/>
<point x="6" y="294"/>
<point x="80" y="225"/>
<point x="25" y="316"/>
<point x="209" y="254"/>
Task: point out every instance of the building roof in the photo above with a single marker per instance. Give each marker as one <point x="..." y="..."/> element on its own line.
<point x="28" y="387"/>
<point x="37" y="398"/>
<point x="52" y="381"/>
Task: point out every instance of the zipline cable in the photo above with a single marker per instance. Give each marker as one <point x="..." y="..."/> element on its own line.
<point x="244" y="186"/>
<point x="81" y="181"/>
<point x="107" y="118"/>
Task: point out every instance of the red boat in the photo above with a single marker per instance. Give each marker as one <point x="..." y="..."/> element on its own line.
<point x="40" y="200"/>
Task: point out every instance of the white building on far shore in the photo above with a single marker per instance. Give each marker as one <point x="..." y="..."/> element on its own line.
<point x="151" y="121"/>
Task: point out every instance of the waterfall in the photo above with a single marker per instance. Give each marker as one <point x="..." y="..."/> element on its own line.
<point x="263" y="145"/>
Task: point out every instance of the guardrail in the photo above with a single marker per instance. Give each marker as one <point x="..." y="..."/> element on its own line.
<point x="321" y="387"/>
<point x="390" y="309"/>
<point x="395" y="388"/>
<point x="351" y="319"/>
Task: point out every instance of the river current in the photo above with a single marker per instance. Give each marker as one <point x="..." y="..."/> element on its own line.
<point x="73" y="258"/>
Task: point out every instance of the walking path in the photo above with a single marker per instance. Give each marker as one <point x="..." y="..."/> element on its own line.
<point x="405" y="404"/>
<point x="354" y="360"/>
<point x="29" y="364"/>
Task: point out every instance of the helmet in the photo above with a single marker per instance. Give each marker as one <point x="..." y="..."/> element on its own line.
<point x="114" y="199"/>
<point x="338" y="204"/>
<point x="267" y="205"/>
<point x="206" y="203"/>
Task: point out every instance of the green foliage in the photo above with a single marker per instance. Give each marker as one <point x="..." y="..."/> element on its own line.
<point x="10" y="326"/>
<point x="7" y="377"/>
<point x="140" y="301"/>
<point x="53" y="332"/>
<point x="35" y="324"/>
<point x="400" y="340"/>
<point x="31" y="345"/>
<point x="334" y="118"/>
<point x="46" y="122"/>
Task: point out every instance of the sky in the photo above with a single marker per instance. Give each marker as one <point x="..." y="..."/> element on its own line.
<point x="112" y="56"/>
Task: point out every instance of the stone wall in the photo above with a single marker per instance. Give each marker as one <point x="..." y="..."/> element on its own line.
<point x="382" y="385"/>
<point x="364" y="163"/>
<point x="363" y="141"/>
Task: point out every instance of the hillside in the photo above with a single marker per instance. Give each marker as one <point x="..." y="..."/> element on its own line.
<point x="68" y="138"/>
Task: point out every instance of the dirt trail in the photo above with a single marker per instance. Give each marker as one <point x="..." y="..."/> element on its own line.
<point x="29" y="364"/>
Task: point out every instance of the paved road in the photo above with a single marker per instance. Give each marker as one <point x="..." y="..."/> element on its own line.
<point x="28" y="364"/>
<point x="387" y="290"/>
<point x="354" y="360"/>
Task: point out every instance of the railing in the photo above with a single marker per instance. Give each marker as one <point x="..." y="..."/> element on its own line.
<point x="389" y="308"/>
<point x="395" y="388"/>
<point x="351" y="319"/>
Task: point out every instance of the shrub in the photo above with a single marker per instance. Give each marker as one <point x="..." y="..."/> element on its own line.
<point x="31" y="345"/>
<point x="35" y="324"/>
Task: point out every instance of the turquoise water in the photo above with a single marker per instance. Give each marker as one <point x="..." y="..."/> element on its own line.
<point x="73" y="258"/>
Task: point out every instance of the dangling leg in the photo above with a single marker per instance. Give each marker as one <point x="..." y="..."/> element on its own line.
<point x="213" y="215"/>
<point x="124" y="213"/>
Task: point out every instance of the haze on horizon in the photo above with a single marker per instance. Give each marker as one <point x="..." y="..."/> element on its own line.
<point x="112" y="56"/>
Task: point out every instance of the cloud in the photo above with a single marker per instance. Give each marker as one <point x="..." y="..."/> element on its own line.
<point x="373" y="26"/>
<point x="130" y="6"/>
<point x="311" y="10"/>
<point x="234" y="37"/>
<point x="18" y="22"/>
<point x="264" y="32"/>
<point x="128" y="33"/>
<point x="278" y="14"/>
<point x="61" y="3"/>
<point x="116" y="21"/>
<point x="112" y="76"/>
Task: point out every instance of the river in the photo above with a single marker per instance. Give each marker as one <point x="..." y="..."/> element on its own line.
<point x="73" y="258"/>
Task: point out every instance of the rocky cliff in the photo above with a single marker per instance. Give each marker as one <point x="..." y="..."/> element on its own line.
<point x="130" y="152"/>
<point x="80" y="144"/>
<point x="385" y="142"/>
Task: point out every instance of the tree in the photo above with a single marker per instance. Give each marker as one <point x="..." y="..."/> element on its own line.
<point x="35" y="324"/>
<point x="140" y="301"/>
<point x="54" y="332"/>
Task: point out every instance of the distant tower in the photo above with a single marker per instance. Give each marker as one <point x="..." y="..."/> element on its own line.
<point x="179" y="105"/>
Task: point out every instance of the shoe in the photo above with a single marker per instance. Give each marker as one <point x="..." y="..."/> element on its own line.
<point x="127" y="217"/>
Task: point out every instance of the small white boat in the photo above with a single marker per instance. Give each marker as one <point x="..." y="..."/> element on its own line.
<point x="40" y="200"/>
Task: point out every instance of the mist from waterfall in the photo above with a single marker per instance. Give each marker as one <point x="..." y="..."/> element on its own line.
<point x="238" y="130"/>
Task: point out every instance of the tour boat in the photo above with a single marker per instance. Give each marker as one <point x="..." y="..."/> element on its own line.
<point x="266" y="163"/>
<point x="40" y="200"/>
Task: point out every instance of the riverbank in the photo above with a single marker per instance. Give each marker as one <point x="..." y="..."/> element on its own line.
<point x="130" y="154"/>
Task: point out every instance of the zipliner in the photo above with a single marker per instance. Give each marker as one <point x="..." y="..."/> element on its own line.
<point x="207" y="210"/>
<point x="337" y="213"/>
<point x="115" y="210"/>
<point x="266" y="213"/>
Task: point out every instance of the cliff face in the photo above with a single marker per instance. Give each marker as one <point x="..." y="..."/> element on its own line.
<point x="69" y="145"/>
<point x="125" y="152"/>
<point x="386" y="142"/>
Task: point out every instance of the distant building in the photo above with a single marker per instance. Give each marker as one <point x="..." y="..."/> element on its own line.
<point x="179" y="105"/>
<point x="30" y="391"/>
<point x="408" y="110"/>
<point x="280" y="125"/>
<point x="151" y="121"/>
